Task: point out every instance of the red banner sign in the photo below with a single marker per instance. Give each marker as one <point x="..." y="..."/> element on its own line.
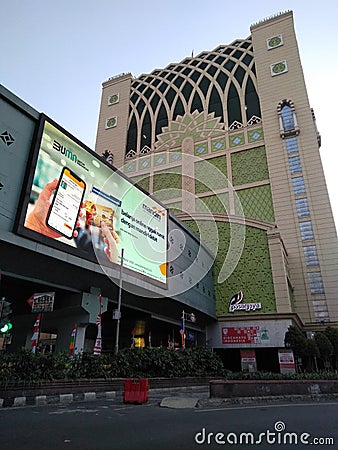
<point x="240" y="335"/>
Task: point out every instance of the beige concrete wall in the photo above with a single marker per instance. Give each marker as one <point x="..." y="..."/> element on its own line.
<point x="114" y="139"/>
<point x="273" y="89"/>
<point x="279" y="272"/>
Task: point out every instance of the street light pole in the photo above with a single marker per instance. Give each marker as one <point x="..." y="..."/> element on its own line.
<point x="183" y="329"/>
<point x="186" y="316"/>
<point x="118" y="311"/>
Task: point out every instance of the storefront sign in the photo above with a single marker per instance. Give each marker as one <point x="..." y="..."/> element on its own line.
<point x="241" y="335"/>
<point x="43" y="302"/>
<point x="248" y="361"/>
<point x="236" y="304"/>
<point x="286" y="361"/>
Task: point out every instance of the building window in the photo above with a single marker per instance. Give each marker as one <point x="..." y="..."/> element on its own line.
<point x="114" y="98"/>
<point x="275" y="41"/>
<point x="306" y="230"/>
<point x="298" y="185"/>
<point x="302" y="206"/>
<point x="311" y="255"/>
<point x="288" y="125"/>
<point x="287" y="118"/>
<point x="111" y="122"/>
<point x="291" y="145"/>
<point x="278" y="68"/>
<point x="316" y="283"/>
<point x="295" y="165"/>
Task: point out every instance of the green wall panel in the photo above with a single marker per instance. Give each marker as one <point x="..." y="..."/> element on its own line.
<point x="249" y="166"/>
<point x="252" y="275"/>
<point x="142" y="181"/>
<point x="207" y="178"/>
<point x="256" y="203"/>
<point x="164" y="181"/>
<point x="213" y="203"/>
<point x="175" y="208"/>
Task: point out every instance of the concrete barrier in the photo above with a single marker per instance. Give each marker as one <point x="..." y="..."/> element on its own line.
<point x="262" y="388"/>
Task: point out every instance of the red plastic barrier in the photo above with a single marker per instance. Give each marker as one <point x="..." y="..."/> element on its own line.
<point x="136" y="391"/>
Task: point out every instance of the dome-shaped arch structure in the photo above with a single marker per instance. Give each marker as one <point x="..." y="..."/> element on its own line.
<point x="197" y="83"/>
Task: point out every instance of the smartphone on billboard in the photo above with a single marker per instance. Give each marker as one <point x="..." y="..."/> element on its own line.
<point x="66" y="204"/>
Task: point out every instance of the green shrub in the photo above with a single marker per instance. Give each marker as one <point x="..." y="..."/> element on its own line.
<point x="24" y="366"/>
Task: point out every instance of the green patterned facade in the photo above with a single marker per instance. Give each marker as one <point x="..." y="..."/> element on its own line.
<point x="207" y="178"/>
<point x="249" y="166"/>
<point x="256" y="203"/>
<point x="253" y="273"/>
<point x="175" y="207"/>
<point x="217" y="204"/>
<point x="142" y="181"/>
<point x="167" y="184"/>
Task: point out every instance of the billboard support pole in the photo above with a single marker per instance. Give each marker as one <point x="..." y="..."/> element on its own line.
<point x="119" y="306"/>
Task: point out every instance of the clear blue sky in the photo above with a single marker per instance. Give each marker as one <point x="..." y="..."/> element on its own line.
<point x="56" y="54"/>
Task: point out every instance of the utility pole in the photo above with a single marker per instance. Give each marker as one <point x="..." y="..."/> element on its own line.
<point x="117" y="312"/>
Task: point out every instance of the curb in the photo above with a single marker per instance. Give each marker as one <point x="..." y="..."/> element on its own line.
<point x="62" y="399"/>
<point x="66" y="398"/>
<point x="204" y="401"/>
<point x="231" y="401"/>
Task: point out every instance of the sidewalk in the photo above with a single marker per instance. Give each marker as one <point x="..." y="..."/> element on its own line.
<point x="64" y="393"/>
<point x="169" y="393"/>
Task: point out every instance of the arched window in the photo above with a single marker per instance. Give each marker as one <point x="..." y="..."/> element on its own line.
<point x="132" y="135"/>
<point x="287" y="118"/>
<point x="215" y="104"/>
<point x="196" y="103"/>
<point x="234" y="106"/>
<point x="146" y="131"/>
<point x="251" y="100"/>
<point x="179" y="109"/>
<point x="161" y="120"/>
<point x="288" y="125"/>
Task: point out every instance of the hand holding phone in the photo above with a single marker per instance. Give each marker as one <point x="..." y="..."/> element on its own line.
<point x="36" y="219"/>
<point x="64" y="210"/>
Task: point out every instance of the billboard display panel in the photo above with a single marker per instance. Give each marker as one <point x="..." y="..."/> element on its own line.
<point x="74" y="201"/>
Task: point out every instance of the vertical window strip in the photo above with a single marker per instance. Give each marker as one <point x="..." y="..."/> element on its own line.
<point x="316" y="283"/>
<point x="291" y="145"/>
<point x="306" y="230"/>
<point x="311" y="255"/>
<point x="298" y="185"/>
<point x="287" y="118"/>
<point x="295" y="165"/>
<point x="302" y="207"/>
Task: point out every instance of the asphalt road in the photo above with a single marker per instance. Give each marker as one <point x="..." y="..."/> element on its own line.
<point x="110" y="425"/>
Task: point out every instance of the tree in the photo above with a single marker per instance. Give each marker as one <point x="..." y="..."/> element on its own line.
<point x="312" y="351"/>
<point x="332" y="334"/>
<point x="325" y="348"/>
<point x="296" y="340"/>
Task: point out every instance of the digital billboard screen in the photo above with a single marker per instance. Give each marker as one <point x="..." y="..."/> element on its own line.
<point x="75" y="201"/>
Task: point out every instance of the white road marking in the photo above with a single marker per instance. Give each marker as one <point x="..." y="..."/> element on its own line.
<point x="283" y="405"/>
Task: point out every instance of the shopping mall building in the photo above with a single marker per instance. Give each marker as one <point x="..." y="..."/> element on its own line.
<point x="66" y="274"/>
<point x="237" y="229"/>
<point x="227" y="140"/>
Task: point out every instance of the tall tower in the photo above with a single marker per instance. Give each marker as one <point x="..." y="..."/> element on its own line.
<point x="227" y="139"/>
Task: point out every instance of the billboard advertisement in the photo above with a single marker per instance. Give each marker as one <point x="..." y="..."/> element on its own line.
<point x="75" y="201"/>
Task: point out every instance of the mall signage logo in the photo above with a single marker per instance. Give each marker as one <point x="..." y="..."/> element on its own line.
<point x="236" y="304"/>
<point x="153" y="211"/>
